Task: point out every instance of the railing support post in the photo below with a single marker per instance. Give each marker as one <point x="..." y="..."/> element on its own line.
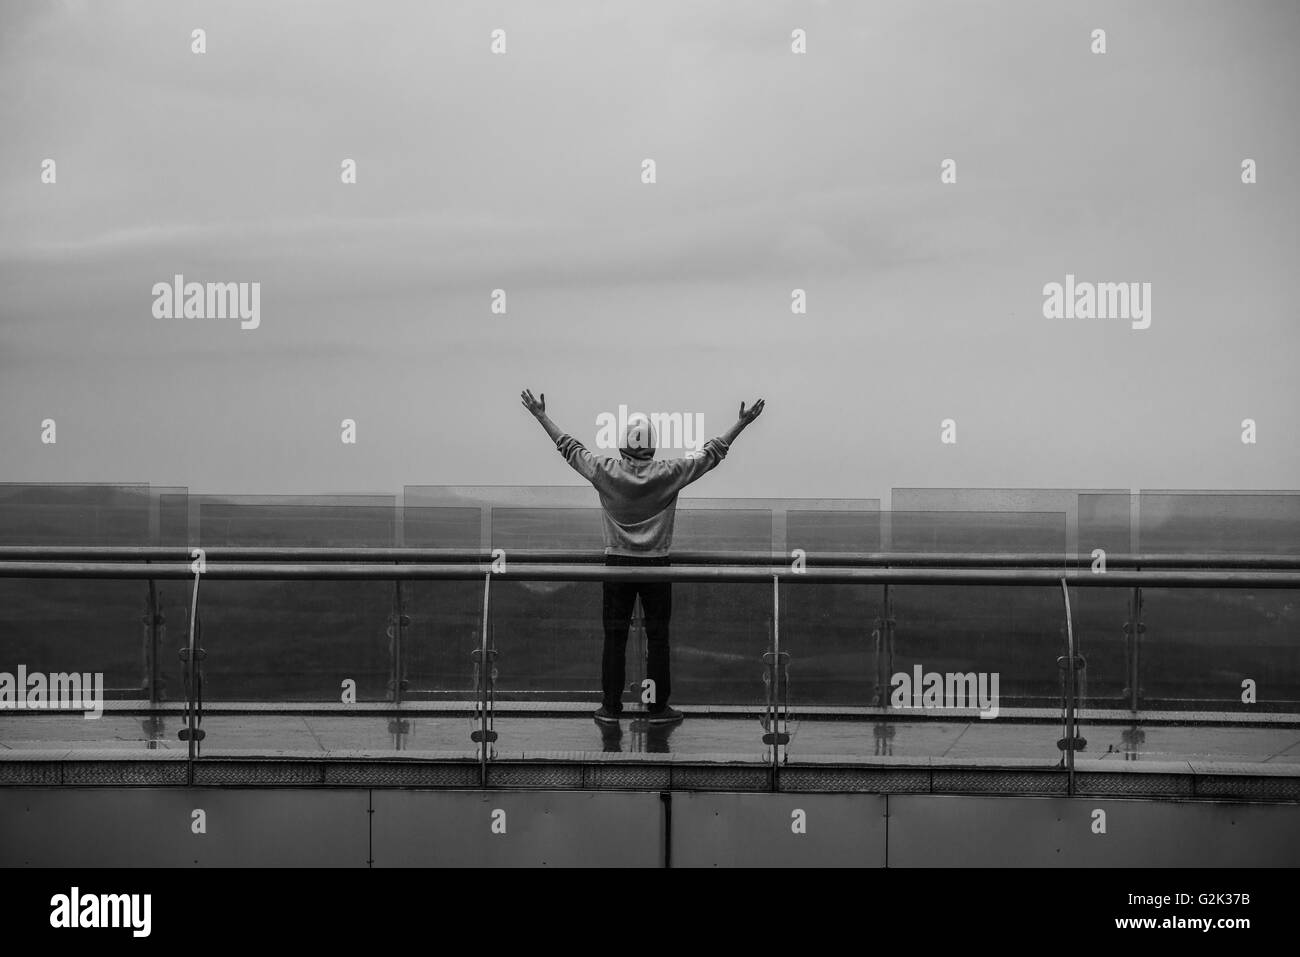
<point x="397" y="632"/>
<point x="154" y="629"/>
<point x="398" y="726"/>
<point x="190" y="655"/>
<point x="776" y="721"/>
<point x="1134" y="628"/>
<point x="1072" y="663"/>
<point x="484" y="734"/>
<point x="152" y="621"/>
<point x="639" y="725"/>
<point x="883" y="633"/>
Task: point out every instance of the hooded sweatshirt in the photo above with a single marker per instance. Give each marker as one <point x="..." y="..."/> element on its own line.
<point x="638" y="496"/>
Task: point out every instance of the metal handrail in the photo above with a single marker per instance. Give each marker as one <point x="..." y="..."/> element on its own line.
<point x="343" y="571"/>
<point x="481" y="556"/>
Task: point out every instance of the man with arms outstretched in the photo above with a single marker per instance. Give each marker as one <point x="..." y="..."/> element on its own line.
<point x="638" y="497"/>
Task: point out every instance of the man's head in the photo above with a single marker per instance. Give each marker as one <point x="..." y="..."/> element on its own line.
<point x="638" y="441"/>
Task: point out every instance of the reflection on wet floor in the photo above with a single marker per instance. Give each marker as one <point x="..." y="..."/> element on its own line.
<point x="735" y="738"/>
<point x="641" y="737"/>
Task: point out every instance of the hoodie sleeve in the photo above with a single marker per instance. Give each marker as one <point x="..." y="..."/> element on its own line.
<point x="576" y="454"/>
<point x="695" y="464"/>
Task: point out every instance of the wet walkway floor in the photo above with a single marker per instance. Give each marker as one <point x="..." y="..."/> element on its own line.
<point x="705" y="738"/>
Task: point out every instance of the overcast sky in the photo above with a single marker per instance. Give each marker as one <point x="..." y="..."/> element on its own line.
<point x="775" y="171"/>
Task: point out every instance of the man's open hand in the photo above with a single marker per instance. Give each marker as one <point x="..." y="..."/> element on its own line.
<point x="537" y="406"/>
<point x="754" y="412"/>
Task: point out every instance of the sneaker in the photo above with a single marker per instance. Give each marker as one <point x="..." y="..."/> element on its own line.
<point x="605" y="716"/>
<point x="664" y="715"/>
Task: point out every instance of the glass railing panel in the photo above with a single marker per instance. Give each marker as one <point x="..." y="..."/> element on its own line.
<point x="1093" y="518"/>
<point x="299" y="521"/>
<point x="975" y="532"/>
<point x="297" y="643"/>
<point x="443" y="630"/>
<point x="442" y="527"/>
<point x="461" y="516"/>
<point x="722" y="525"/>
<point x="1236" y="523"/>
<point x="171" y="519"/>
<point x="99" y="631"/>
<point x="830" y="631"/>
<point x="840" y="529"/>
<point x="570" y="529"/>
<point x="64" y="515"/>
<point x="270" y="641"/>
<point x="326" y="653"/>
<point x="103" y="631"/>
<point x="1105" y="521"/>
<point x="1166" y="666"/>
<point x="1207" y="676"/>
<point x="949" y="672"/>
<point x="1234" y="652"/>
<point x="1201" y="675"/>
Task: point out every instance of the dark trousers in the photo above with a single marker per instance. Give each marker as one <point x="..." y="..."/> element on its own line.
<point x="619" y="599"/>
